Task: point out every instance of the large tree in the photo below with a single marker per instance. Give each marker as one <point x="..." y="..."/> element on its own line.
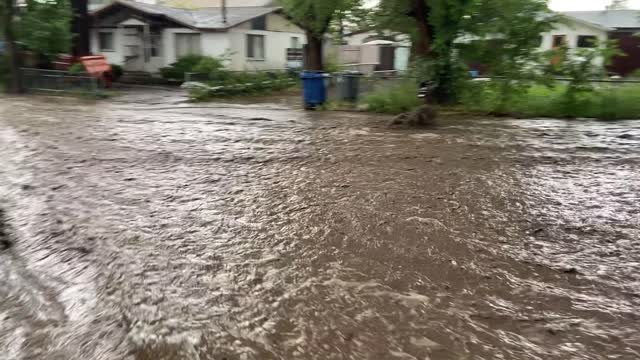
<point x="409" y="17"/>
<point x="45" y="27"/>
<point x="80" y="26"/>
<point x="42" y="28"/>
<point x="315" y="17"/>
<point x="7" y="13"/>
<point x="439" y="28"/>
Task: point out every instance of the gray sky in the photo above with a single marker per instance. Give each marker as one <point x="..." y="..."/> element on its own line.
<point x="567" y="5"/>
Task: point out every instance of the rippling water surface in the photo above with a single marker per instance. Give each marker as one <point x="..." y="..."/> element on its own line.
<point x="144" y="227"/>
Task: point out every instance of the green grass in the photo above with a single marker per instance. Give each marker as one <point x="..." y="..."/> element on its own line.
<point x="393" y="100"/>
<point x="609" y="102"/>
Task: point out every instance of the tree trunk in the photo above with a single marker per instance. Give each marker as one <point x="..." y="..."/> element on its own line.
<point x="313" y="53"/>
<point x="80" y="25"/>
<point x="422" y="45"/>
<point x="13" y="54"/>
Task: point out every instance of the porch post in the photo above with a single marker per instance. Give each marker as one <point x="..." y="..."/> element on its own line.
<point x="146" y="42"/>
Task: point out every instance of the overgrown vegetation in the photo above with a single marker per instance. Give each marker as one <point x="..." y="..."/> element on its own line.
<point x="608" y="101"/>
<point x="224" y="83"/>
<point x="190" y="64"/>
<point x="43" y="27"/>
<point x="393" y="100"/>
<point x="615" y="101"/>
<point x="213" y="80"/>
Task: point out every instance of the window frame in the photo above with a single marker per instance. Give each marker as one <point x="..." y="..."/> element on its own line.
<point x="589" y="41"/>
<point x="259" y="23"/>
<point x="251" y="50"/>
<point x="113" y="41"/>
<point x="559" y="36"/>
<point x="191" y="50"/>
<point x="155" y="45"/>
<point x="295" y="40"/>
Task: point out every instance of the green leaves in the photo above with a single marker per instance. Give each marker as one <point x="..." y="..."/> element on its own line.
<point x="315" y="16"/>
<point x="44" y="27"/>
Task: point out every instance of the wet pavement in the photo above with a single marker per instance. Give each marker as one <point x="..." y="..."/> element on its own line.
<point x="146" y="227"/>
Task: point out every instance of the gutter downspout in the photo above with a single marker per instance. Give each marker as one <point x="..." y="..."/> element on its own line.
<point x="224" y="11"/>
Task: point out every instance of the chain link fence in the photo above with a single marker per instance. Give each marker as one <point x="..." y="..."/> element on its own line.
<point x="59" y="81"/>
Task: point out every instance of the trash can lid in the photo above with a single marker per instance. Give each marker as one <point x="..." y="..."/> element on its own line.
<point x="353" y="73"/>
<point x="312" y="74"/>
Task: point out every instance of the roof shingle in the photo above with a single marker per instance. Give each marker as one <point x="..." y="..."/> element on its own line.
<point x="616" y="19"/>
<point x="204" y="18"/>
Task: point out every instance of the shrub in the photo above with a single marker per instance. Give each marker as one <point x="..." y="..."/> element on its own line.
<point x="208" y="65"/>
<point x="77" y="69"/>
<point x="396" y="99"/>
<point x="116" y="71"/>
<point x="184" y="65"/>
<point x="242" y="83"/>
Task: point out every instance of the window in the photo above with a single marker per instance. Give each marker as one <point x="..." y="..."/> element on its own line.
<point x="259" y="23"/>
<point x="155" y="44"/>
<point x="586" y="41"/>
<point x="295" y="42"/>
<point x="105" y="39"/>
<point x="255" y="47"/>
<point x="187" y="44"/>
<point x="559" y="41"/>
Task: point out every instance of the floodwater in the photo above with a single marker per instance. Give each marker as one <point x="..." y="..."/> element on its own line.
<point x="145" y="227"/>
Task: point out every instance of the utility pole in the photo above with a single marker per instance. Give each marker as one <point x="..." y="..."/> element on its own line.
<point x="224" y="11"/>
<point x="80" y="25"/>
<point x="15" y="81"/>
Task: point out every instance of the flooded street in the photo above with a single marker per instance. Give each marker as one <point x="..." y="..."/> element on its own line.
<point x="145" y="227"/>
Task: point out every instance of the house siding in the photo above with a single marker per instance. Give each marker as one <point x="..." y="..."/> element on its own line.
<point x="276" y="45"/>
<point x="215" y="44"/>
<point x="113" y="57"/>
<point x="275" y="22"/>
<point x="572" y="31"/>
<point x="277" y="40"/>
<point x="169" y="42"/>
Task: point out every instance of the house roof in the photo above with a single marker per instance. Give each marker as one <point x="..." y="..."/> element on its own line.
<point x="612" y="19"/>
<point x="203" y="19"/>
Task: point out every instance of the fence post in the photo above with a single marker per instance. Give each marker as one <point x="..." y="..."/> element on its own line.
<point x="95" y="86"/>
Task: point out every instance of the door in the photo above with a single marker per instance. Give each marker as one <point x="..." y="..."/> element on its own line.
<point x="558" y="42"/>
<point x="387" y="57"/>
<point x="133" y="49"/>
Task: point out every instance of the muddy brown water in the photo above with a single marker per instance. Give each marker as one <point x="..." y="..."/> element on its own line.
<point x="144" y="227"/>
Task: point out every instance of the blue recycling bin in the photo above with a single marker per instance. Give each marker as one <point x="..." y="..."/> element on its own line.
<point x="313" y="88"/>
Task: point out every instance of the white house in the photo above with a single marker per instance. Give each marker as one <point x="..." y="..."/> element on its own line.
<point x="146" y="37"/>
<point x="581" y="28"/>
<point x="574" y="32"/>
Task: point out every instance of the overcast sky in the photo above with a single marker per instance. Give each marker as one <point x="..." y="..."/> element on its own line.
<point x="566" y="5"/>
